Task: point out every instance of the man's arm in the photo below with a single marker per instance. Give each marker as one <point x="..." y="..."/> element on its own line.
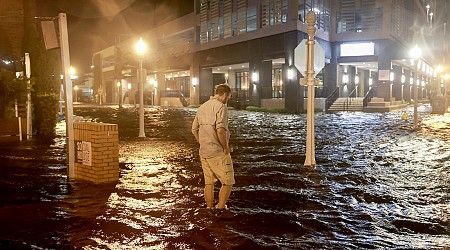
<point x="195" y="128"/>
<point x="195" y="132"/>
<point x="222" y="135"/>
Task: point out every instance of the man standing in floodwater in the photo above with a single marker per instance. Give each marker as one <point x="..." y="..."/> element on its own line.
<point x="210" y="128"/>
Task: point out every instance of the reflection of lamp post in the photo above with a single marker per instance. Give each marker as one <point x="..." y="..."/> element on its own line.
<point x="403" y="79"/>
<point x="415" y="54"/>
<point x="439" y="70"/>
<point x="61" y="91"/>
<point x="140" y="50"/>
<point x="446" y="77"/>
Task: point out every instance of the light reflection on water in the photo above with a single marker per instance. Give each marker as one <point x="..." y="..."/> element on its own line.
<point x="377" y="184"/>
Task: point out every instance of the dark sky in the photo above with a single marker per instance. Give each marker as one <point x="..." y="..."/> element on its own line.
<point x="94" y="24"/>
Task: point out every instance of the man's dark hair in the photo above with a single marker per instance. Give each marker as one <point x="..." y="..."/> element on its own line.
<point x="222" y="89"/>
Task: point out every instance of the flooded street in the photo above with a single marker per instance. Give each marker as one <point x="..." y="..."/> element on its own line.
<point x="377" y="184"/>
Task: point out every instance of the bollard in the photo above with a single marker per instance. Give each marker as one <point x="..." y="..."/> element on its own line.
<point x="96" y="152"/>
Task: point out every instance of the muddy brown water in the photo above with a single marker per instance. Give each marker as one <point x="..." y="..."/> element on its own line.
<point x="377" y="184"/>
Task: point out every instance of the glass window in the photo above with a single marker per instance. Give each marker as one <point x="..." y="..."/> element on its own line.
<point x="242" y="85"/>
<point x="251" y="18"/>
<point x="273" y="12"/>
<point x="277" y="83"/>
<point x="242" y="80"/>
<point x="322" y="10"/>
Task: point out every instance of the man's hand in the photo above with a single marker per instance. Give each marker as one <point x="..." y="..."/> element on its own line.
<point x="222" y="135"/>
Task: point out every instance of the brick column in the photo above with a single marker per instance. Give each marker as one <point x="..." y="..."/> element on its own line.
<point x="97" y="151"/>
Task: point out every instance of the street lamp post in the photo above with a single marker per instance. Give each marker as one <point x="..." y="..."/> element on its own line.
<point x="119" y="99"/>
<point x="76" y="90"/>
<point x="73" y="77"/>
<point x="415" y="54"/>
<point x="140" y="49"/>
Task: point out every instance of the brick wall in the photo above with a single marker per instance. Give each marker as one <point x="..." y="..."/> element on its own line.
<point x="104" y="160"/>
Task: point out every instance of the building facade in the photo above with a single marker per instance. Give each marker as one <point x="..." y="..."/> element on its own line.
<point x="249" y="44"/>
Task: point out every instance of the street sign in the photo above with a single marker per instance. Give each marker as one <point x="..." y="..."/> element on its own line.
<point x="300" y="57"/>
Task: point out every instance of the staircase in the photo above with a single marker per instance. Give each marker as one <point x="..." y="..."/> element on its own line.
<point x="347" y="104"/>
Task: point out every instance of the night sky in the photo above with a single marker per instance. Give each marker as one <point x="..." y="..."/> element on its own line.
<point x="95" y="24"/>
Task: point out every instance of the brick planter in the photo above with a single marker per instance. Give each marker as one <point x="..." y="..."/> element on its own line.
<point x="97" y="151"/>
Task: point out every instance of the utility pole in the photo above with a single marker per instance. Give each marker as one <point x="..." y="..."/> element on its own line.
<point x="65" y="61"/>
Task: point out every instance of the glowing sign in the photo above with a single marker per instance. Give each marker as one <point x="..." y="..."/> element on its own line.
<point x="357" y="49"/>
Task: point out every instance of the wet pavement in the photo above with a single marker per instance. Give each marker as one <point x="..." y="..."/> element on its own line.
<point x="377" y="184"/>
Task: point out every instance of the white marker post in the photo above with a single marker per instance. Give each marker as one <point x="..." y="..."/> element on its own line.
<point x="28" y="75"/>
<point x="65" y="61"/>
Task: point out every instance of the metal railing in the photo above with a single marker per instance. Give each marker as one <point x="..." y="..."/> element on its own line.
<point x="349" y="99"/>
<point x="331" y="98"/>
<point x="368" y="96"/>
<point x="240" y="99"/>
<point x="176" y="94"/>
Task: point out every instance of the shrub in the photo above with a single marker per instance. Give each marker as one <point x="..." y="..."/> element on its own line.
<point x="45" y="120"/>
<point x="11" y="88"/>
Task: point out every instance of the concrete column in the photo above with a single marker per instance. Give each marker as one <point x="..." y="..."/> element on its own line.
<point x="266" y="79"/>
<point x="384" y="88"/>
<point x="407" y="86"/>
<point x="255" y="83"/>
<point x="293" y="10"/>
<point x="294" y="98"/>
<point x="397" y="83"/>
<point x="195" y="85"/>
<point x="161" y="79"/>
<point x="205" y="85"/>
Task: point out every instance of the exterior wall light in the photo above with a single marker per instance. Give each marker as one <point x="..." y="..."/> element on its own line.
<point x="290" y="74"/>
<point x="254" y="77"/>
<point x="345" y="79"/>
<point x="194" y="81"/>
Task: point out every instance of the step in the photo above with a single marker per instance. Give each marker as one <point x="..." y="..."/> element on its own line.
<point x="379" y="104"/>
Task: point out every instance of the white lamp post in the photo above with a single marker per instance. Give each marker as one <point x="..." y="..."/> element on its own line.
<point x="140" y="50"/>
<point x="119" y="85"/>
<point x="76" y="90"/>
<point x="446" y="77"/>
<point x="73" y="77"/>
<point x="415" y="54"/>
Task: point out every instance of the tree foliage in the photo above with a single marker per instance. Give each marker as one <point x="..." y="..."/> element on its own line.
<point x="11" y="89"/>
<point x="45" y="72"/>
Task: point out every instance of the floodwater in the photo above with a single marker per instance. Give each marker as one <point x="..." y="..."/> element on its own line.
<point x="377" y="185"/>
